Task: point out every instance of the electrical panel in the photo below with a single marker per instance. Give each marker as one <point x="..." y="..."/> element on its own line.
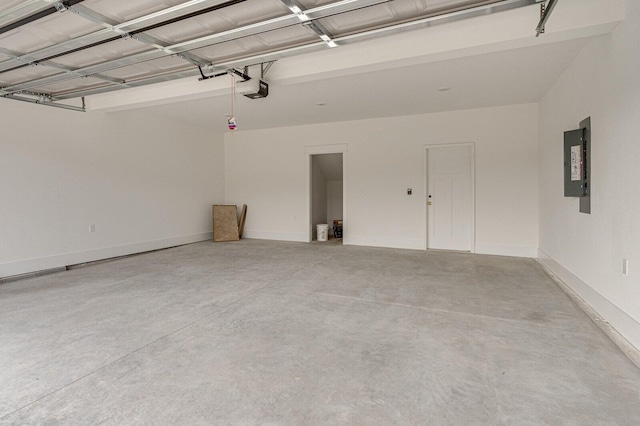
<point x="577" y="164"/>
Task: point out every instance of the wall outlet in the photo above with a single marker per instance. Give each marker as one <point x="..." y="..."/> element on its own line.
<point x="92" y="228"/>
<point x="625" y="267"/>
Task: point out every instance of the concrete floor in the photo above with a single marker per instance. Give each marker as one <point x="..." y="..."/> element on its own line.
<point x="257" y="332"/>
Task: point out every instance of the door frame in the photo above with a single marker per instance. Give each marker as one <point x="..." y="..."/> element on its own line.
<point x="472" y="228"/>
<point x="310" y="151"/>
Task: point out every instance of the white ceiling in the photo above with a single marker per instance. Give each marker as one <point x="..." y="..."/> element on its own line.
<point x="502" y="78"/>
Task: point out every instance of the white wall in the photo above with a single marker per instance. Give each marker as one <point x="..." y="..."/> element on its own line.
<point x="318" y="195"/>
<point x="143" y="182"/>
<point x="334" y="202"/>
<point x="266" y="169"/>
<point x="586" y="251"/>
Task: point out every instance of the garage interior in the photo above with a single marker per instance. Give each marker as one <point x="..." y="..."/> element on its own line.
<point x="469" y="287"/>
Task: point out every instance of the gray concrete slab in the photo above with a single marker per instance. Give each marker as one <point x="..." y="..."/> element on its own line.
<point x="258" y="332"/>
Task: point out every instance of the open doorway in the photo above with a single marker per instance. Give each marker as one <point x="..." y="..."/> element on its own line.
<point x="327" y="195"/>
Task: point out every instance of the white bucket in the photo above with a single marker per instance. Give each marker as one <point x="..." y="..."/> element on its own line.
<point x="323" y="232"/>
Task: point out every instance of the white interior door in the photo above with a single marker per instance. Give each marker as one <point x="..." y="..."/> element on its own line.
<point x="450" y="198"/>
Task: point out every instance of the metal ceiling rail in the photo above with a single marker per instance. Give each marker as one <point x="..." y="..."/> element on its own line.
<point x="141" y="37"/>
<point x="457" y="15"/>
<point x="69" y="70"/>
<point x="153" y="42"/>
<point x="57" y="7"/>
<point x="320" y="12"/>
<point x="437" y="19"/>
<point x="106" y="33"/>
<point x="179" y="48"/>
<point x="46" y="102"/>
<point x="193" y="72"/>
<point x="21" y="10"/>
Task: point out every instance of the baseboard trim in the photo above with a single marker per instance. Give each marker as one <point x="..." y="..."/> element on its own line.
<point x="623" y="330"/>
<point x="27" y="266"/>
<point x="511" y="251"/>
<point x="275" y="236"/>
<point x="371" y="241"/>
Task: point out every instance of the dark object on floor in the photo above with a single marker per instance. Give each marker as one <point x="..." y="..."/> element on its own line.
<point x="337" y="228"/>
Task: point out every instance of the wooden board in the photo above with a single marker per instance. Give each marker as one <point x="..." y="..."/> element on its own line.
<point x="243" y="217"/>
<point x="225" y="223"/>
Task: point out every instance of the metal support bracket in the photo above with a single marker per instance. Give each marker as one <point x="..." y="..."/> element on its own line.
<point x="545" y="12"/>
<point x="45" y="100"/>
<point x="61" y="6"/>
<point x="264" y="68"/>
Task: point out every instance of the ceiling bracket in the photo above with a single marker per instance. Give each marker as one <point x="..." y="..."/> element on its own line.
<point x="61" y="6"/>
<point x="207" y="77"/>
<point x="44" y="99"/>
<point x="241" y="74"/>
<point x="264" y="68"/>
<point x="545" y="12"/>
<point x="321" y="32"/>
<point x="204" y="77"/>
<point x="542" y="8"/>
<point x="297" y="8"/>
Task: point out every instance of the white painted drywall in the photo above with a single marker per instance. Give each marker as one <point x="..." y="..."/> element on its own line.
<point x="587" y="250"/>
<point x="334" y="202"/>
<point x="145" y="184"/>
<point x="266" y="169"/>
<point x="318" y="195"/>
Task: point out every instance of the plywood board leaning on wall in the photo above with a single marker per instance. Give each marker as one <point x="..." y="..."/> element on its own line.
<point x="225" y="223"/>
